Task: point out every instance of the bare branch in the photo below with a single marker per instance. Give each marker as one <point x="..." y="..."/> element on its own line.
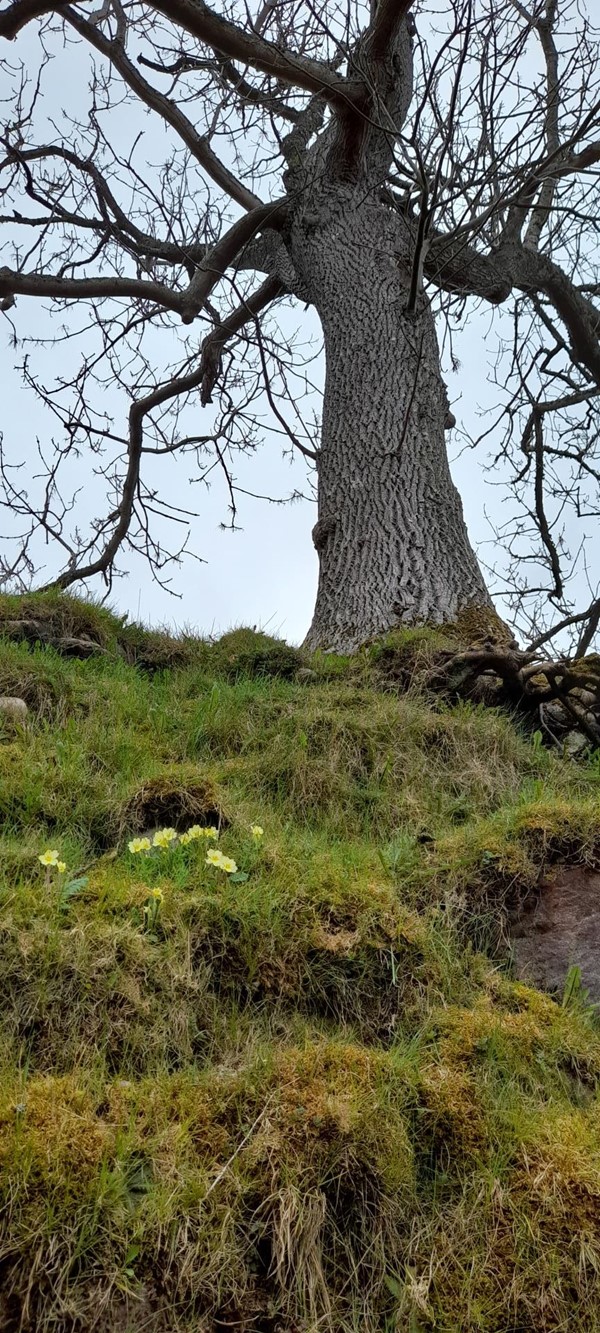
<point x="212" y="347"/>
<point x="543" y="206"/>
<point x="388" y="17"/>
<point x="231" y="75"/>
<point x="129" y="233"/>
<point x="542" y="521"/>
<point x="17" y="15"/>
<point x="250" y="48"/>
<point x="589" y="632"/>
<point x="217" y="260"/>
<point x="198" y="145"/>
<point x="230" y="40"/>
<point x="138" y="411"/>
<point x="541" y="274"/>
<point x="13" y="283"/>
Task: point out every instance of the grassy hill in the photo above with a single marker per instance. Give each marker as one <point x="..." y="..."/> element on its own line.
<point x="307" y="1094"/>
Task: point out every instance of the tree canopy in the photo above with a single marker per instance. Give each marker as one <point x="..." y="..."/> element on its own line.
<point x="155" y="216"/>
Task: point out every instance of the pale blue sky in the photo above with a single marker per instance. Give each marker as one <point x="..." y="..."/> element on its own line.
<point x="266" y="573"/>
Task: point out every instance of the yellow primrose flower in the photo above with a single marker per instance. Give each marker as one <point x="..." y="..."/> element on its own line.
<point x="49" y="858"/>
<point x="139" y="845"/>
<point x="214" y="857"/>
<point x="228" y="865"/>
<point x="198" y="831"/>
<point x="157" y="894"/>
<point x="256" y="831"/>
<point x="61" y="867"/>
<point x="164" y="837"/>
<point x="184" y="838"/>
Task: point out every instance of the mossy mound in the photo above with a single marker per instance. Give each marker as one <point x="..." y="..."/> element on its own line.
<point x="80" y="628"/>
<point x="174" y="799"/>
<point x="306" y="1093"/>
<point x="246" y="652"/>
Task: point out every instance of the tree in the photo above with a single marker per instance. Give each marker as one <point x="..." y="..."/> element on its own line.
<point x="407" y="162"/>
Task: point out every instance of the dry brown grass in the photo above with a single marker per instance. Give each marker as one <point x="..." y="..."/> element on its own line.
<point x="171" y="800"/>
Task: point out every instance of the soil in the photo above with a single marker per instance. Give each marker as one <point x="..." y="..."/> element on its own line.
<point x="560" y="928"/>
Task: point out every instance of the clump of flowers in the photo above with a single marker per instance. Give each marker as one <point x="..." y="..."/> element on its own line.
<point x="164" y="837"/>
<point x="139" y="845"/>
<point x="197" y="831"/>
<point x="220" y="862"/>
<point x="167" y="838"/>
<point x="152" y="910"/>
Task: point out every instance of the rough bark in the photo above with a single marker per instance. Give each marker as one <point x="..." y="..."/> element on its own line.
<point x="392" y="542"/>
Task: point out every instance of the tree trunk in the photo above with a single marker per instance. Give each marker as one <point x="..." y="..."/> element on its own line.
<point x="392" y="542"/>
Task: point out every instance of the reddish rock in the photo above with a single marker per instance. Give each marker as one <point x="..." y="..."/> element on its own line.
<point x="558" y="929"/>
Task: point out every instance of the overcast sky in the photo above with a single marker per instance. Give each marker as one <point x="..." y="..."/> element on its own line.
<point x="264" y="574"/>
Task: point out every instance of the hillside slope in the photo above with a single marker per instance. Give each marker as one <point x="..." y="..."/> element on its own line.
<point x="304" y="1094"/>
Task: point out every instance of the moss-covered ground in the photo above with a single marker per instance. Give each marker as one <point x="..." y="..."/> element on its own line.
<point x="310" y="1096"/>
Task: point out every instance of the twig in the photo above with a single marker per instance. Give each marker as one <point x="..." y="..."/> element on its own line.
<point x="224" y="1169"/>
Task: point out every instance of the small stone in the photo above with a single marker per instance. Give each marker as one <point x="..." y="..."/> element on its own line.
<point x="576" y="744"/>
<point x="14" y="710"/>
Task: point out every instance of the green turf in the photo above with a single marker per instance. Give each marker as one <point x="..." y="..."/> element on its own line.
<point x="307" y="1096"/>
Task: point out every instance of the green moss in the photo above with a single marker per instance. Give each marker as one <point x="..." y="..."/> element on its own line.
<point x="42" y="616"/>
<point x="244" y="652"/>
<point x="309" y="1097"/>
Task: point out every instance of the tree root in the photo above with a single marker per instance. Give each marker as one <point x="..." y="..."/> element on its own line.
<point x="527" y="681"/>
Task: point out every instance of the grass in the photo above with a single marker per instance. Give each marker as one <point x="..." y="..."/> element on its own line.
<point x="312" y="1098"/>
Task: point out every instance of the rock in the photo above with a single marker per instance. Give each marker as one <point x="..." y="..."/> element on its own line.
<point x="560" y="929"/>
<point x="560" y="724"/>
<point x="576" y="745"/>
<point x="68" y="645"/>
<point x="14" y="710"/>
